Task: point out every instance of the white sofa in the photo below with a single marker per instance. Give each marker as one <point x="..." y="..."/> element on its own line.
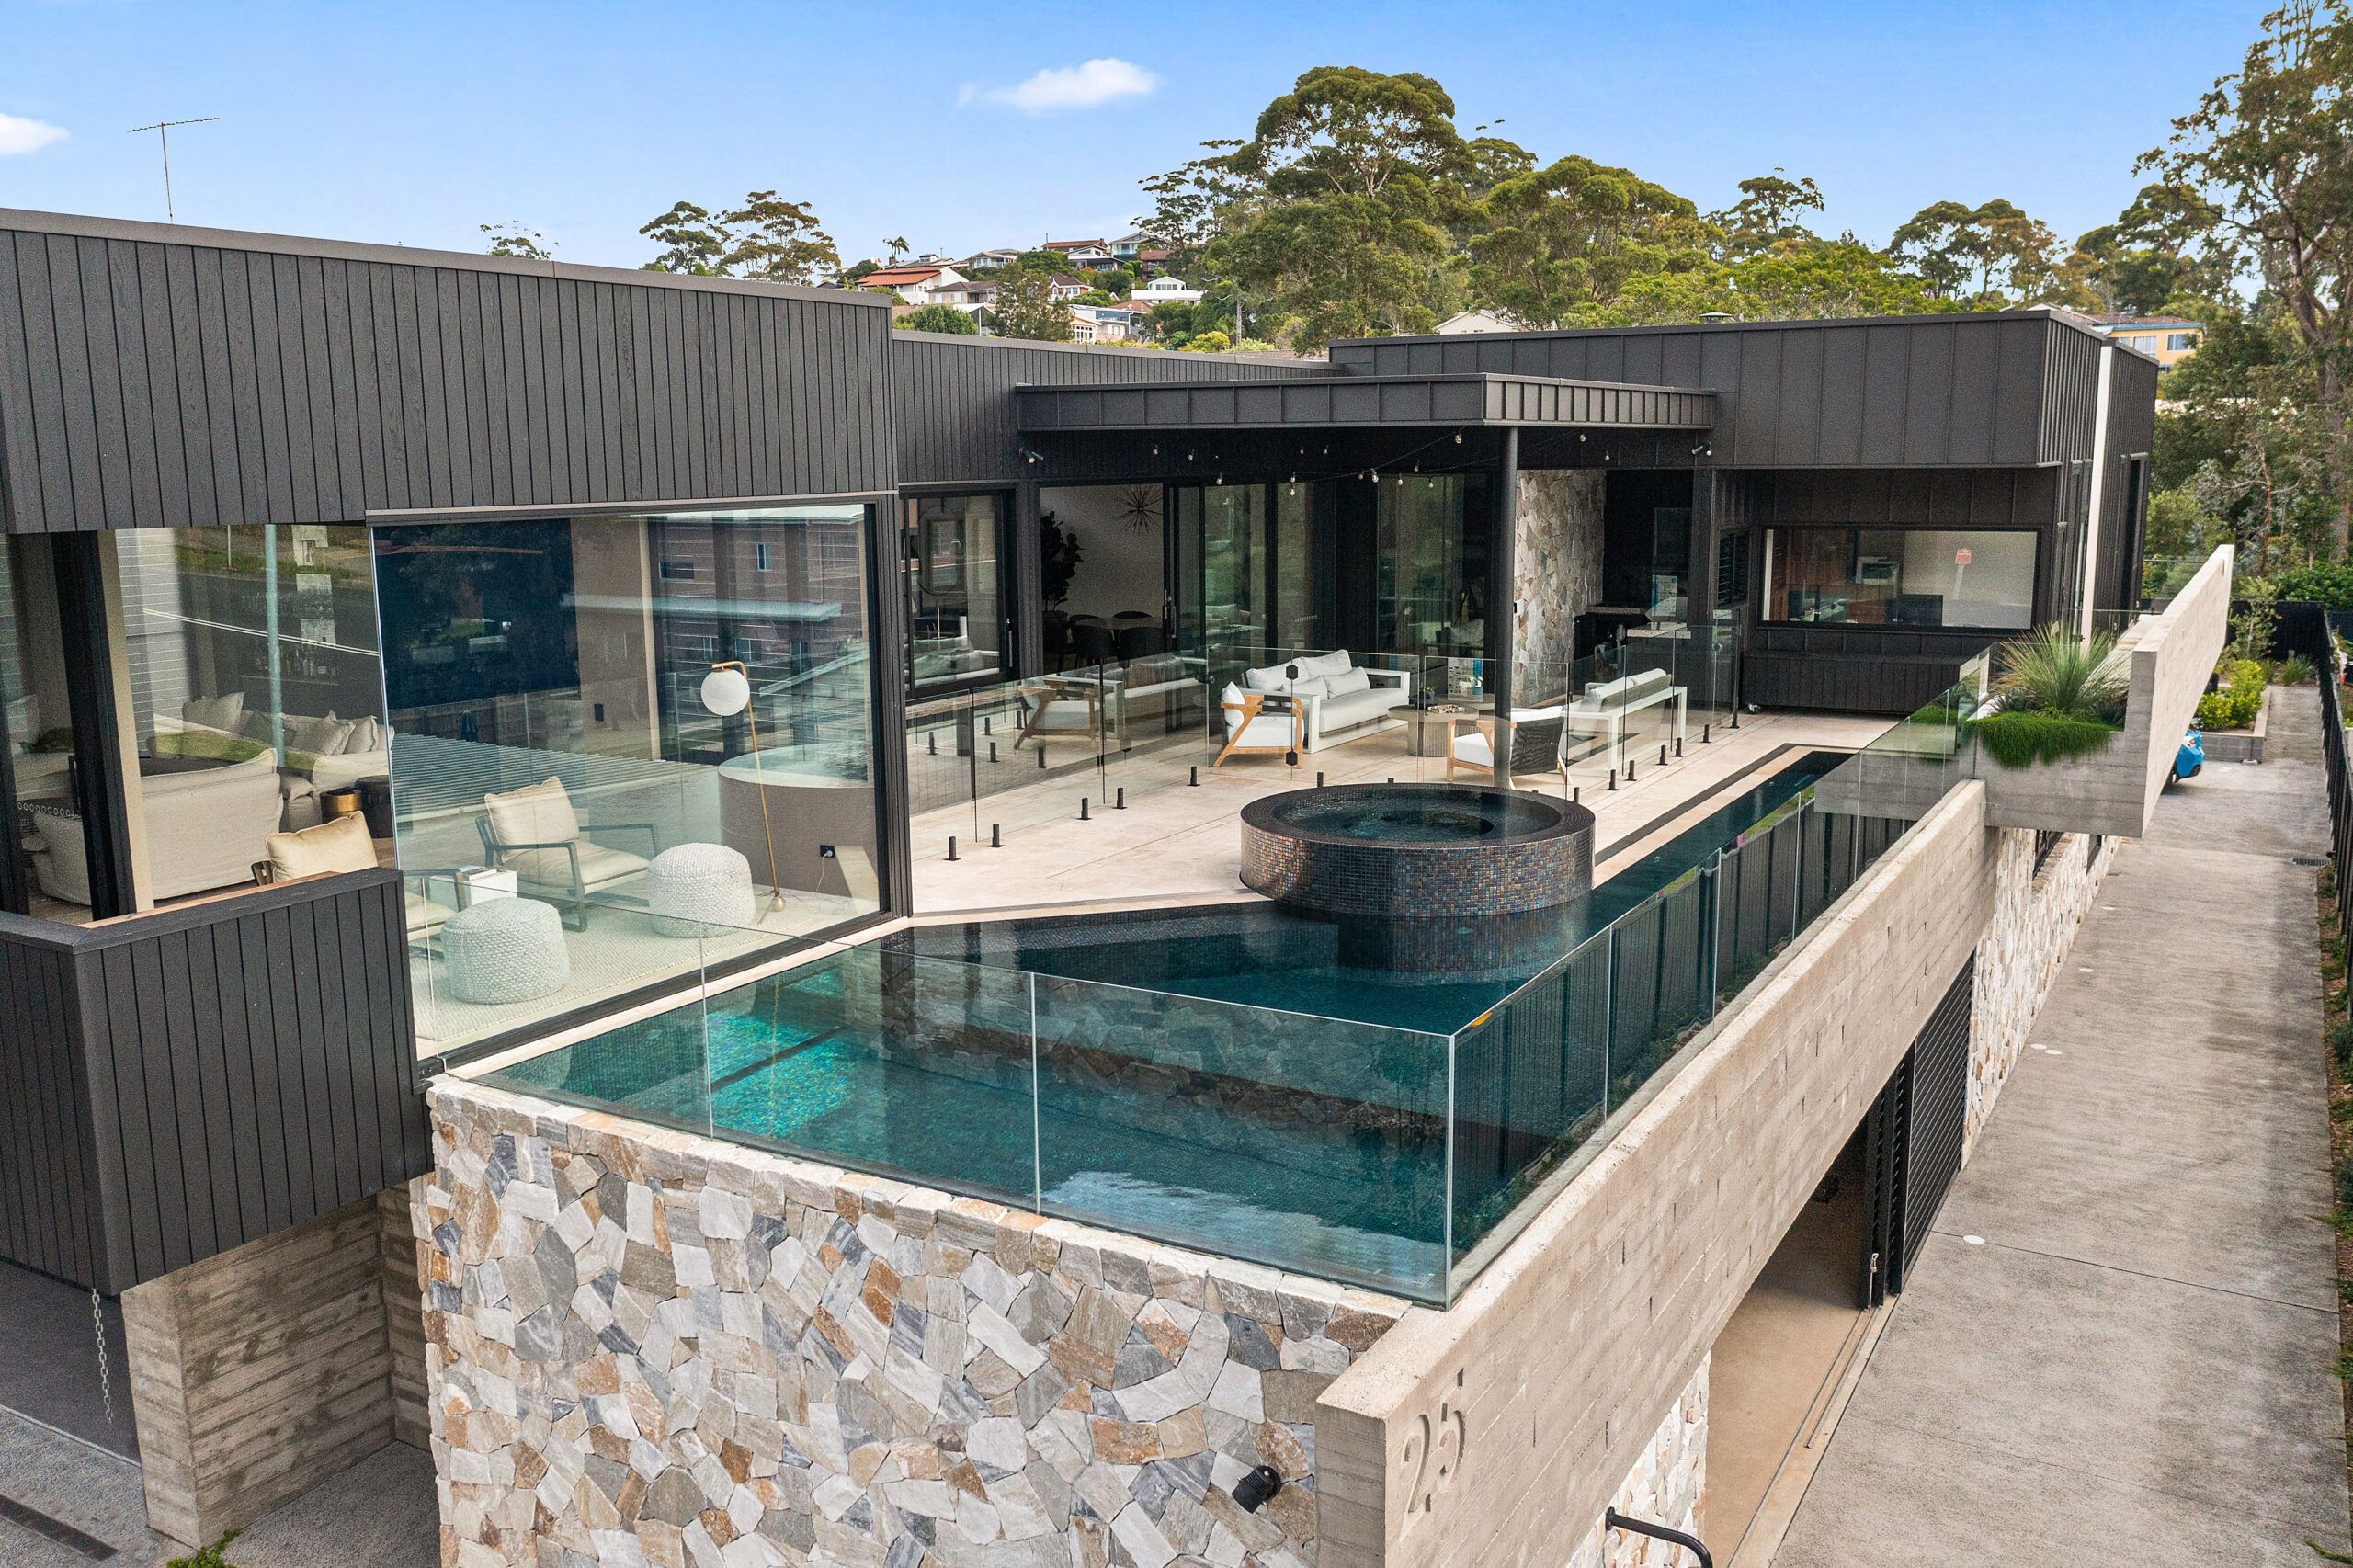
<point x="1600" y="711"/>
<point x="207" y="824"/>
<point x="1333" y="694"/>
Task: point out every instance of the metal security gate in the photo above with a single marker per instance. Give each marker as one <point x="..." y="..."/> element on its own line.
<point x="1912" y="1141"/>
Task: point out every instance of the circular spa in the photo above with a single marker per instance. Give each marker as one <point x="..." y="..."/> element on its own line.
<point x="1424" y="879"/>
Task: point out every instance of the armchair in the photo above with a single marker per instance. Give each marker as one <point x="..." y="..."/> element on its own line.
<point x="1535" y="745"/>
<point x="1061" y="705"/>
<point x="1259" y="722"/>
<point x="534" y="833"/>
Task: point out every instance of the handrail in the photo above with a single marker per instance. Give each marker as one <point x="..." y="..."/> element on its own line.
<point x="1618" y="1521"/>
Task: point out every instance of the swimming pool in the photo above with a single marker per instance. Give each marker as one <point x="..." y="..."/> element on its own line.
<point x="1213" y="1077"/>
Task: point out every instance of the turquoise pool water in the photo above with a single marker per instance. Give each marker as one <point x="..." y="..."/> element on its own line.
<point x="1212" y="1077"/>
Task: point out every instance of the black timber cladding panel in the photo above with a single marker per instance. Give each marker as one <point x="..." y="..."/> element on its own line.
<point x="186" y="1082"/>
<point x="1951" y="391"/>
<point x="153" y="377"/>
<point x="953" y="397"/>
<point x="1364" y="401"/>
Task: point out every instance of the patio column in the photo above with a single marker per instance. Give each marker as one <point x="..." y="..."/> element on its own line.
<point x="1503" y="608"/>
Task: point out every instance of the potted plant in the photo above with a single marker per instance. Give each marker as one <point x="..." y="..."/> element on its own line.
<point x="2054" y="696"/>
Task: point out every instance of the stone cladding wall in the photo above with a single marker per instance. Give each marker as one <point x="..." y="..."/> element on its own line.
<point x="1556" y="562"/>
<point x="646" y="1347"/>
<point x="2033" y="928"/>
<point x="1668" y="1486"/>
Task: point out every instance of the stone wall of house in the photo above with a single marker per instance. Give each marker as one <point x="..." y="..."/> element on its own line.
<point x="649" y="1347"/>
<point x="1556" y="561"/>
<point x="1668" y="1486"/>
<point x="2034" y="927"/>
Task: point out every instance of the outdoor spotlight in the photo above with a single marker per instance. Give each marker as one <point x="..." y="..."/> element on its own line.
<point x="1255" y="1490"/>
<point x="1458" y="438"/>
<point x="1704" y="449"/>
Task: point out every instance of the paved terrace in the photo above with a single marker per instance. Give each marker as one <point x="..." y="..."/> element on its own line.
<point x="1177" y="844"/>
<point x="2121" y="1342"/>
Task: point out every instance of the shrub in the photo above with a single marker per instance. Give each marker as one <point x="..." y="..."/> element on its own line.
<point x="2050" y="670"/>
<point x="2340" y="1042"/>
<point x="2296" y="671"/>
<point x="2021" y="737"/>
<point x="938" y="318"/>
<point x="2235" y="706"/>
<point x="211" y="1557"/>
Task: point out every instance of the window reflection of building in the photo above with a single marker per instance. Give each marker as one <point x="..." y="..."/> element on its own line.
<point x="1432" y="593"/>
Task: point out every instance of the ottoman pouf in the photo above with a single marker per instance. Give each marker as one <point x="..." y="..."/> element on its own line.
<point x="696" y="886"/>
<point x="506" y="949"/>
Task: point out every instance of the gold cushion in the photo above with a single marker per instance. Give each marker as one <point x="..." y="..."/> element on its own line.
<point x="537" y="813"/>
<point x="342" y="845"/>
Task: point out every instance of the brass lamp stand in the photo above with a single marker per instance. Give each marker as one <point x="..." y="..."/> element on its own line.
<point x="727" y="691"/>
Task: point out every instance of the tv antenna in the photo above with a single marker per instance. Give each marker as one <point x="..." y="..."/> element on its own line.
<point x="164" y="138"/>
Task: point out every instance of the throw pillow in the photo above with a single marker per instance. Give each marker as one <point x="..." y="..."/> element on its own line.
<point x="318" y="737"/>
<point x="1346" y="681"/>
<point x="1273" y="677"/>
<point x="342" y="845"/>
<point x="1325" y="664"/>
<point x="367" y="734"/>
<point x="215" y="712"/>
<point x="537" y="813"/>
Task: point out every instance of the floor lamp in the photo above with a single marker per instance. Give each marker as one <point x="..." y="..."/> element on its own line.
<point x="727" y="691"/>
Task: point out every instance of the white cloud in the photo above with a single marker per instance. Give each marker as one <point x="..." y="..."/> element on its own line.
<point x="26" y="135"/>
<point x="1078" y="86"/>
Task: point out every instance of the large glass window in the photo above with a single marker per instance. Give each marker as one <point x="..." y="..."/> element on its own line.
<point x="1978" y="579"/>
<point x="1433" y="567"/>
<point x="952" y="578"/>
<point x="248" y="699"/>
<point x="555" y="740"/>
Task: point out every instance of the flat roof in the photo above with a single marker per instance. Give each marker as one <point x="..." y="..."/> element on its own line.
<point x="1336" y="401"/>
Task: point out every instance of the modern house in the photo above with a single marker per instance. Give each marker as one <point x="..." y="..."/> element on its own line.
<point x="795" y="943"/>
<point x="1085" y="255"/>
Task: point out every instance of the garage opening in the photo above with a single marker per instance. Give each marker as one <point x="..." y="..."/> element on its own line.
<point x="1784" y="1365"/>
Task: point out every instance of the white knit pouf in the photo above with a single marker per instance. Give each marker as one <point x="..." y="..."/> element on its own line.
<point x="697" y="886"/>
<point x="506" y="949"/>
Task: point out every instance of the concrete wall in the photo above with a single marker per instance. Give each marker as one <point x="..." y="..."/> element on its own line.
<point x="2112" y="793"/>
<point x="2035" y="916"/>
<point x="650" y="1348"/>
<point x="1547" y="1383"/>
<point x="260" y="1372"/>
<point x="1668" y="1485"/>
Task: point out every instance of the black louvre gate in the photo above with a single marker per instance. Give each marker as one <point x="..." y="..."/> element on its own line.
<point x="1913" y="1141"/>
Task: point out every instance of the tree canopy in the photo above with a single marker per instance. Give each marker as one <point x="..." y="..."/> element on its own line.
<point x="766" y="237"/>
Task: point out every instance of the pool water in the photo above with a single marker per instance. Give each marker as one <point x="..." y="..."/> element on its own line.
<point x="1261" y="955"/>
<point x="1102" y="1070"/>
<point x="1410" y="816"/>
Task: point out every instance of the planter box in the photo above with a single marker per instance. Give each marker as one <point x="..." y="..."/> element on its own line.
<point x="2111" y="792"/>
<point x="2240" y="745"/>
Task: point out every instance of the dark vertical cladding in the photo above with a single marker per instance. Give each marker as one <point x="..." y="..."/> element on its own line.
<point x="184" y="1083"/>
<point x="1960" y="390"/>
<point x="954" y="403"/>
<point x="161" y="377"/>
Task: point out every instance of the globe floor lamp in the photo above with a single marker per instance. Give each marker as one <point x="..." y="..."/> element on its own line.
<point x="727" y="691"/>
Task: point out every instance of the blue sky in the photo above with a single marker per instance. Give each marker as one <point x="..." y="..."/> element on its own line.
<point x="413" y="123"/>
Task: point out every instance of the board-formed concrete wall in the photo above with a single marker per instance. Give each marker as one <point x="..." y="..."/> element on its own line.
<point x="1547" y="1383"/>
<point x="2112" y="793"/>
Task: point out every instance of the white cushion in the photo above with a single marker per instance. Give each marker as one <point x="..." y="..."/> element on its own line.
<point x="318" y="737"/>
<point x="1273" y="677"/>
<point x="1473" y="748"/>
<point x="367" y="734"/>
<point x="215" y="712"/>
<point x="537" y="813"/>
<point x="1334" y="664"/>
<point x="334" y="847"/>
<point x="423" y="917"/>
<point x="1346" y="681"/>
